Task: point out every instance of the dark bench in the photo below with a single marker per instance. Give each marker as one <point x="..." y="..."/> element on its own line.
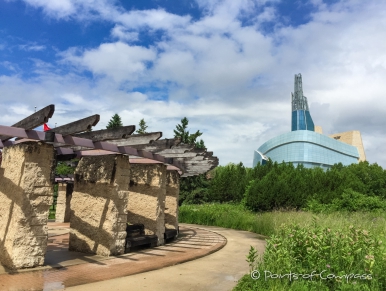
<point x="170" y="233"/>
<point x="136" y="237"/>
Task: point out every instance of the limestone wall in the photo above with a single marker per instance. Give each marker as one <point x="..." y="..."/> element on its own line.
<point x="26" y="191"/>
<point x="99" y="205"/>
<point x="63" y="208"/>
<point x="318" y="129"/>
<point x="353" y="138"/>
<point x="147" y="198"/>
<point x="171" y="200"/>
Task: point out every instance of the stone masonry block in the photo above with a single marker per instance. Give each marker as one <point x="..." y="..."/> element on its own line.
<point x="98" y="202"/>
<point x="25" y="198"/>
<point x="171" y="200"/>
<point x="147" y="198"/>
<point x="63" y="208"/>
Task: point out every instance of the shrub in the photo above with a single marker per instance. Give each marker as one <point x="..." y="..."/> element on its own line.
<point x="302" y="250"/>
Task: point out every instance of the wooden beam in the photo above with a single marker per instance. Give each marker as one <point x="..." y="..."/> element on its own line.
<point x="180" y="149"/>
<point x="137" y="139"/>
<point x="81" y="125"/>
<point x="108" y="134"/>
<point x="180" y="155"/>
<point x="156" y="146"/>
<point x="34" y="120"/>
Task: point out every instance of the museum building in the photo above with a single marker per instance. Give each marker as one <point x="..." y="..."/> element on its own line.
<point x="306" y="144"/>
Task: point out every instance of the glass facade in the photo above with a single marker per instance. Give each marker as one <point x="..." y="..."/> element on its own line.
<point x="308" y="148"/>
<point x="301" y="120"/>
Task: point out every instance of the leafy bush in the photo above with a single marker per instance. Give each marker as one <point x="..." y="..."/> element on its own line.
<point x="228" y="183"/>
<point x="323" y="251"/>
<point x="350" y="201"/>
<point x="283" y="187"/>
<point x="193" y="190"/>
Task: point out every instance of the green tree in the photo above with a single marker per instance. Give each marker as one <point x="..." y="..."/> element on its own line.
<point x="187" y="138"/>
<point x="62" y="168"/>
<point x="192" y="189"/>
<point x="142" y="127"/>
<point x="115" y="121"/>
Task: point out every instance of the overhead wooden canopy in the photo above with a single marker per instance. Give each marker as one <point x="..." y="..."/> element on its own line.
<point x="77" y="139"/>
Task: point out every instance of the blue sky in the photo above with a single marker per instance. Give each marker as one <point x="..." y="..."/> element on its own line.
<point x="226" y="65"/>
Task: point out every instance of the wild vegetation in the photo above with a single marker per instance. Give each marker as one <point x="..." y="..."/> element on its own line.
<point x="282" y="186"/>
<point x="328" y="224"/>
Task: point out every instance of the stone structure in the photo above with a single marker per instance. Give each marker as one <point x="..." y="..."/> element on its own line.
<point x="63" y="210"/>
<point x="99" y="205"/>
<point x="26" y="190"/>
<point x="318" y="129"/>
<point x="353" y="138"/>
<point x="147" y="198"/>
<point x="171" y="200"/>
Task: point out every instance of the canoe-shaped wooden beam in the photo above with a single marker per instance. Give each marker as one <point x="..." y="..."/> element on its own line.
<point x="137" y="139"/>
<point x="108" y="134"/>
<point x="156" y="146"/>
<point x="77" y="126"/>
<point x="34" y="120"/>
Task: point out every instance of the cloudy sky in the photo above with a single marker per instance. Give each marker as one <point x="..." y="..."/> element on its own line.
<point x="226" y="65"/>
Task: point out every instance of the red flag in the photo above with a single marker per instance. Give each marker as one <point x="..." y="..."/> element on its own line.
<point x="46" y="127"/>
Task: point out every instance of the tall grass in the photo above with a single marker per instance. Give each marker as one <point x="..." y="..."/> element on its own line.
<point x="236" y="217"/>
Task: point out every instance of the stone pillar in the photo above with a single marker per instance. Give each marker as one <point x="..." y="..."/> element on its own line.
<point x="171" y="201"/>
<point x="63" y="208"/>
<point x="99" y="205"/>
<point x="26" y="194"/>
<point x="147" y="198"/>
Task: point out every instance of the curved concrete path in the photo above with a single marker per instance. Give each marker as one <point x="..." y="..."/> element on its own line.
<point x="202" y="258"/>
<point x="218" y="271"/>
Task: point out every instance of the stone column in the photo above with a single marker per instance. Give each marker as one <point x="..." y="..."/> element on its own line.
<point x="99" y="205"/>
<point x="171" y="201"/>
<point x="147" y="198"/>
<point x="26" y="194"/>
<point x="63" y="208"/>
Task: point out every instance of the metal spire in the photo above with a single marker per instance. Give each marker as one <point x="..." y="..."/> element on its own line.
<point x="299" y="101"/>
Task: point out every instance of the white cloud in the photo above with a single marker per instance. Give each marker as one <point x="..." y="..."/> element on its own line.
<point x="54" y="8"/>
<point x="27" y="47"/>
<point x="123" y="34"/>
<point x="117" y="60"/>
<point x="232" y="81"/>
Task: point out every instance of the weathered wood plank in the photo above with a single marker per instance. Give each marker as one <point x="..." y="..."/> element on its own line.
<point x="108" y="134"/>
<point x="180" y="149"/>
<point x="145" y="154"/>
<point x="102" y="145"/>
<point x="179" y="155"/>
<point x="81" y="125"/>
<point x="64" y="151"/>
<point x="34" y="120"/>
<point x="156" y="146"/>
<point x="137" y="139"/>
<point x="128" y="150"/>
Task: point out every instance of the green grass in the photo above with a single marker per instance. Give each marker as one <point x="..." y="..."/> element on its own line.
<point x="236" y="217"/>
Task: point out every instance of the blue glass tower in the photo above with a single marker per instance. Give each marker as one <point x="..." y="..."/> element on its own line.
<point x="301" y="118"/>
<point x="303" y="145"/>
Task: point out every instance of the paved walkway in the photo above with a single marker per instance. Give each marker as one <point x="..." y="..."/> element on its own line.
<point x="218" y="254"/>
